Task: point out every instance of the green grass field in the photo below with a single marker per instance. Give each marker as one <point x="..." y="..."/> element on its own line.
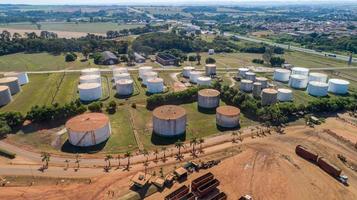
<point x="99" y="27"/>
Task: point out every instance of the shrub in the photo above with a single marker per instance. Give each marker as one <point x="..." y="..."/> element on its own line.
<point x="4" y="129"/>
<point x="277" y="61"/>
<point x="7" y="154"/>
<point x="192" y="58"/>
<point x="95" y="107"/>
<point x="12" y="119"/>
<point x="133" y="105"/>
<point x="111" y="107"/>
<point x="258" y="61"/>
<point x="70" y="57"/>
<point x="210" y="60"/>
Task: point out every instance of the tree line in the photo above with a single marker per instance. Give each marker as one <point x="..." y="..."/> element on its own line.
<point x="136" y="31"/>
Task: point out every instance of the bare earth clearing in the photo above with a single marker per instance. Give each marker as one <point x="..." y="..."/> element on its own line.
<point x="61" y="34"/>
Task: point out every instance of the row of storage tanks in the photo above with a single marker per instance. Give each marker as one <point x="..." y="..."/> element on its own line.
<point x="316" y="83"/>
<point x="260" y="88"/>
<point x="151" y="80"/>
<point x="90" y="85"/>
<point x="171" y="120"/>
<point x="10" y="85"/>
<point x="200" y="77"/>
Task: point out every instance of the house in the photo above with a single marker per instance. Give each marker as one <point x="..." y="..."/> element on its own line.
<point x="139" y="58"/>
<point x="166" y="59"/>
<point x="109" y="58"/>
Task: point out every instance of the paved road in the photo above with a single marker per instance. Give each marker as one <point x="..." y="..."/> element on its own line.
<point x="310" y="51"/>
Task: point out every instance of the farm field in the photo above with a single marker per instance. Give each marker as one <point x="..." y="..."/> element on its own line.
<point x="99" y="27"/>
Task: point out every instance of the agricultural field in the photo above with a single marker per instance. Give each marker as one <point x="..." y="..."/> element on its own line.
<point x="163" y="10"/>
<point x="99" y="27"/>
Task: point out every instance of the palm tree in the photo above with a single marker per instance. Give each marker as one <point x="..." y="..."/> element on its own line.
<point x="156" y="153"/>
<point x="67" y="164"/>
<point x="179" y="144"/>
<point x="146" y="164"/>
<point x="118" y="158"/>
<point x="77" y="160"/>
<point x="107" y="159"/>
<point x="240" y="135"/>
<point x="164" y="157"/>
<point x="128" y="155"/>
<point x="234" y="134"/>
<point x="45" y="158"/>
<point x="193" y="143"/>
<point x="146" y="154"/>
<point x="201" y="141"/>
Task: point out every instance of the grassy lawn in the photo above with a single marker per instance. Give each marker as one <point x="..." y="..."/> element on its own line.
<point x="40" y="62"/>
<point x="100" y="27"/>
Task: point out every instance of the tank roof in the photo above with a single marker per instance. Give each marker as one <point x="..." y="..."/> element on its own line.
<point x="250" y="73"/>
<point x="188" y="67"/>
<point x="282" y="70"/>
<point x="145" y="67"/>
<point x="270" y="91"/>
<point x="243" y="69"/>
<point x="302" y="69"/>
<point x="210" y="65"/>
<point x="246" y="81"/>
<point x="167" y="112"/>
<point x="124" y="81"/>
<point x="151" y="73"/>
<point x="91" y="76"/>
<point x="122" y="74"/>
<point x="339" y="81"/>
<point x="196" y="72"/>
<point x="3" y="87"/>
<point x="88" y="85"/>
<point x="317" y="74"/>
<point x="209" y="92"/>
<point x="298" y="76"/>
<point x="228" y="110"/>
<point x="12" y="73"/>
<point x="87" y="122"/>
<point x="8" y="79"/>
<point x="260" y="78"/>
<point x="257" y="83"/>
<point x="319" y="84"/>
<point x="284" y="90"/>
<point x="156" y="80"/>
<point x="204" y="78"/>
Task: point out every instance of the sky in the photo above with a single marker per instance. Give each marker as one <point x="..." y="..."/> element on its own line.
<point x="153" y="2"/>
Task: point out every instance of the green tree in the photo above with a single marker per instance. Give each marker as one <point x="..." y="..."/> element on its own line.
<point x="179" y="144"/>
<point x="45" y="157"/>
<point x="210" y="60"/>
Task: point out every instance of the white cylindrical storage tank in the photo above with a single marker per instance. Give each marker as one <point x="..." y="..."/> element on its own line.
<point x="257" y="89"/>
<point x="194" y="76"/>
<point x="227" y="116"/>
<point x="169" y="120"/>
<point x="208" y="98"/>
<point x="263" y="81"/>
<point x="22" y="77"/>
<point x="204" y="81"/>
<point x="338" y="86"/>
<point x="281" y="75"/>
<point x="269" y="96"/>
<point x="285" y="94"/>
<point x="88" y="129"/>
<point x="90" y="91"/>
<point x="120" y="76"/>
<point x="186" y="71"/>
<point x="246" y="85"/>
<point x="143" y="70"/>
<point x="155" y="85"/>
<point x="120" y="70"/>
<point x="298" y="81"/>
<point x="250" y="76"/>
<point x="90" y="71"/>
<point x="5" y="95"/>
<point x="90" y="79"/>
<point x="300" y="70"/>
<point x="12" y="83"/>
<point x="124" y="87"/>
<point x="242" y="71"/>
<point x="148" y="75"/>
<point x="319" y="77"/>
<point x="318" y="89"/>
<point x="210" y="69"/>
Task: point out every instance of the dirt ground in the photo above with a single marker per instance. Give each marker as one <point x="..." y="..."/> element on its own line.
<point x="267" y="168"/>
<point x="334" y="124"/>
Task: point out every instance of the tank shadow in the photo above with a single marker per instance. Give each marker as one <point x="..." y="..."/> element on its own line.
<point x="220" y="128"/>
<point x="162" y="140"/>
<point x="69" y="148"/>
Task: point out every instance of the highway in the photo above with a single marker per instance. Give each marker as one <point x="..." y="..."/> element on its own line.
<point x="310" y="51"/>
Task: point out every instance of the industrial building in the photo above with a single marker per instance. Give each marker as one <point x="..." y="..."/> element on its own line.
<point x="169" y="120"/>
<point x="88" y="129"/>
<point x="108" y="58"/>
<point x="166" y="59"/>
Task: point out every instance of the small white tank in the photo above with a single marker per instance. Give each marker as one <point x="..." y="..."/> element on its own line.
<point x="89" y="91"/>
<point x="318" y="89"/>
<point x="263" y="81"/>
<point x="5" y="95"/>
<point x="124" y="87"/>
<point x="298" y="81"/>
<point x="119" y="70"/>
<point x="194" y="76"/>
<point x="90" y="79"/>
<point x="210" y="51"/>
<point x="155" y="85"/>
<point x="281" y="75"/>
<point x="257" y="89"/>
<point x="90" y="71"/>
<point x="143" y="70"/>
<point x="285" y="94"/>
<point x="12" y="83"/>
<point x="120" y="76"/>
<point x="319" y="77"/>
<point x="338" y="86"/>
<point x="186" y="71"/>
<point x="204" y="81"/>
<point x="242" y="71"/>
<point x="269" y="96"/>
<point x="22" y="77"/>
<point x="250" y="76"/>
<point x="148" y="75"/>
<point x="300" y="70"/>
<point x="246" y="85"/>
<point x="210" y="69"/>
